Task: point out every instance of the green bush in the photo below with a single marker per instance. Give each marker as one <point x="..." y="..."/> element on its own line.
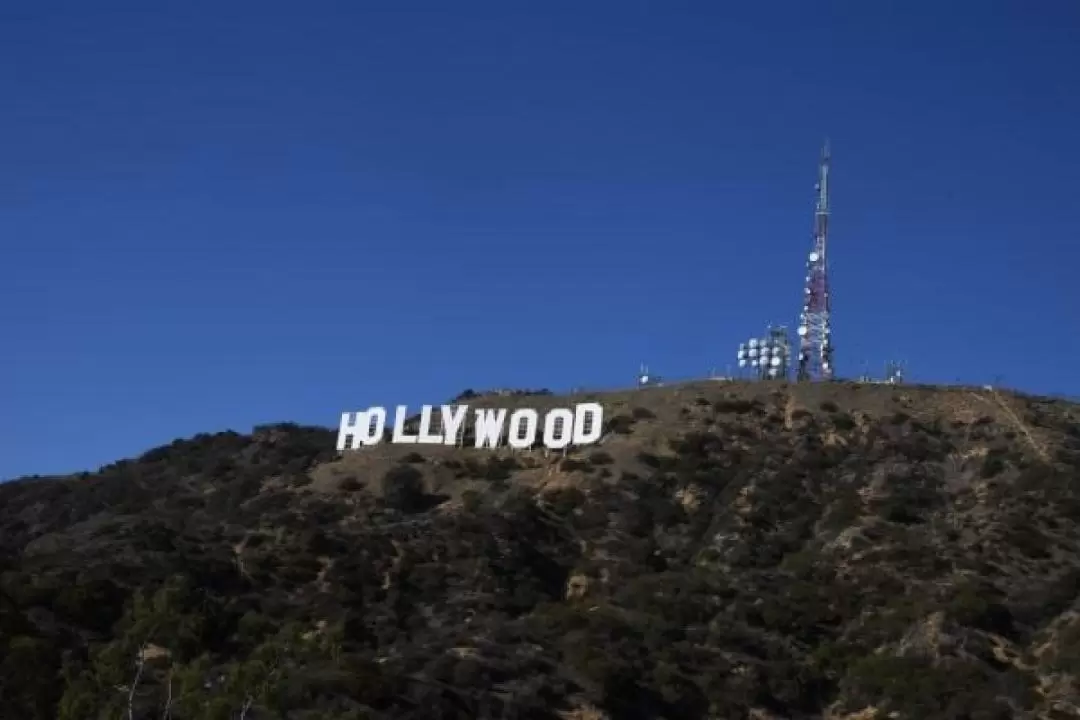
<point x="350" y="484"/>
<point x="600" y="458"/>
<point x="573" y="465"/>
<point x="403" y="488"/>
<point x="992" y="466"/>
<point x="736" y="406"/>
<point x="842" y="421"/>
<point x="620" y="424"/>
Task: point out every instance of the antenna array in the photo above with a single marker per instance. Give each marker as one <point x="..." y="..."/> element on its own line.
<point x="767" y="357"/>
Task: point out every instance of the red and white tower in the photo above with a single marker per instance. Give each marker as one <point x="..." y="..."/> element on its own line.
<point x="815" y="340"/>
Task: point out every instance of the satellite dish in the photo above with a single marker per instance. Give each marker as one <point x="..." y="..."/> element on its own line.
<point x="742" y="363"/>
<point x="753" y="342"/>
<point x="802" y="330"/>
<point x="814" y="257"/>
<point x="775" y="362"/>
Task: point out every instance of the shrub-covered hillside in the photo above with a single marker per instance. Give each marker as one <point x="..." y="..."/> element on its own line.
<point x="727" y="551"/>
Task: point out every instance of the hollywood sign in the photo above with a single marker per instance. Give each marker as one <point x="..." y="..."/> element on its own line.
<point x="561" y="427"/>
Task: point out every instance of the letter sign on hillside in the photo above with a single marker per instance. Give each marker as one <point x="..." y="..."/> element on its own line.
<point x="556" y="429"/>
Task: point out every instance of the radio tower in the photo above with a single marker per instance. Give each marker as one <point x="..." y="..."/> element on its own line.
<point x="815" y="343"/>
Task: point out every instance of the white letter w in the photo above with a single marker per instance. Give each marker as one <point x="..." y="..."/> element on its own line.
<point x="489" y="427"/>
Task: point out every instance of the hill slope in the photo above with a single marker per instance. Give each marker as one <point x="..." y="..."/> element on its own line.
<point x="728" y="551"/>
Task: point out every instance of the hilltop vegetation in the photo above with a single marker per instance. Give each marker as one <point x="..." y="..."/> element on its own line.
<point x="728" y="551"/>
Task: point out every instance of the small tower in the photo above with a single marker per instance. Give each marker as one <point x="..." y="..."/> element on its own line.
<point x="645" y="379"/>
<point x="894" y="373"/>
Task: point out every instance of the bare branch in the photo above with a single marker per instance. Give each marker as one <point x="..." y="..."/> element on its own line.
<point x="139" y="666"/>
<point x="166" y="714"/>
<point x="267" y="680"/>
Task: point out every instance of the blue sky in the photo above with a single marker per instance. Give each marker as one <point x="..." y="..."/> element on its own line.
<point x="214" y="215"/>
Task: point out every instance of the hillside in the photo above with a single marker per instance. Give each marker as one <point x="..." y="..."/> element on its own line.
<point x="728" y="551"/>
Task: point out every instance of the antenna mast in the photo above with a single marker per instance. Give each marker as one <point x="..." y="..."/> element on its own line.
<point x="815" y="343"/>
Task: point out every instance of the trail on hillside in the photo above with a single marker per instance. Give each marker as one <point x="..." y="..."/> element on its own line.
<point x="789" y="410"/>
<point x="1016" y="422"/>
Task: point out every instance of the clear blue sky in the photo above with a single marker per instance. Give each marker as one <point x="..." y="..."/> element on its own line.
<point x="217" y="214"/>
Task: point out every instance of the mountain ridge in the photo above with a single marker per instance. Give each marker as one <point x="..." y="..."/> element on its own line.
<point x="742" y="550"/>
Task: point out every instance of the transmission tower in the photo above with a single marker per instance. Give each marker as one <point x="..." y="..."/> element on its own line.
<point x="815" y="343"/>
